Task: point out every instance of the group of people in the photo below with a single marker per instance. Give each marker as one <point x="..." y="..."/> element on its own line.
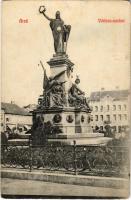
<point x="41" y="129"/>
<point x="108" y="131"/>
<point x="10" y="134"/>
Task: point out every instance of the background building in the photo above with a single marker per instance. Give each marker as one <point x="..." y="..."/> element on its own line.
<point x="14" y="117"/>
<point x="112" y="107"/>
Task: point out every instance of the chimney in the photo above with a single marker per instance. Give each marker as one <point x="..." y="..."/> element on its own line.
<point x="117" y="88"/>
<point x="102" y="89"/>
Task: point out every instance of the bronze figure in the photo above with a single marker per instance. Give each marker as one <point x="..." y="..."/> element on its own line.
<point x="59" y="30"/>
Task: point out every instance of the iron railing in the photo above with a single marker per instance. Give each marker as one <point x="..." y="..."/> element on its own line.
<point x="86" y="160"/>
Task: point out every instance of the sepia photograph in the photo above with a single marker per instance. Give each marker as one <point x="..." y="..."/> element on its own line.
<point x="65" y="100"/>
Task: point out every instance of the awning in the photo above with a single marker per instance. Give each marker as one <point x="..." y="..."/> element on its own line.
<point x="11" y="126"/>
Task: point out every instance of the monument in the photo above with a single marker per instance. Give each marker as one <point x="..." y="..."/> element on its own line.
<point x="63" y="114"/>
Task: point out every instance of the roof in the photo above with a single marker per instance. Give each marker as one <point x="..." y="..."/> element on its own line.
<point x="30" y="107"/>
<point x="115" y="94"/>
<point x="11" y="108"/>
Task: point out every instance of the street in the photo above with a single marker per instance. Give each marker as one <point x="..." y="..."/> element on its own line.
<point x="29" y="187"/>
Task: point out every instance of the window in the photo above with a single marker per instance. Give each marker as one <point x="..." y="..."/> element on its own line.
<point x="101" y="128"/>
<point x="119" y="107"/>
<point x="7" y="119"/>
<point x="91" y="108"/>
<point x="119" y="129"/>
<point x="1" y="117"/>
<point x="119" y="117"/>
<point x="124" y="106"/>
<point x="114" y="107"/>
<point x="114" y="117"/>
<point x="91" y="117"/>
<point x="101" y="117"/>
<point x="101" y="109"/>
<point x="108" y="117"/>
<point x="108" y="107"/>
<point x="125" y="116"/>
<point x="96" y="108"/>
<point x="114" y="128"/>
<point x="96" y="117"/>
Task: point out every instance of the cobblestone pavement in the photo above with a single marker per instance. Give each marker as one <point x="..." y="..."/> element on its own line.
<point x="29" y="187"/>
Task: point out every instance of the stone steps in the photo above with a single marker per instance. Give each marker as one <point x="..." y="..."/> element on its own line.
<point x="88" y="141"/>
<point x="24" y="136"/>
<point x="76" y="135"/>
<point x="20" y="142"/>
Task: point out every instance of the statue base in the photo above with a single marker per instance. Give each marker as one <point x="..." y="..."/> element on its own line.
<point x="69" y="125"/>
<point x="63" y="115"/>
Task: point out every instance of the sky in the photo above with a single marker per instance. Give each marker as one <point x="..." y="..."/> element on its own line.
<point x="100" y="51"/>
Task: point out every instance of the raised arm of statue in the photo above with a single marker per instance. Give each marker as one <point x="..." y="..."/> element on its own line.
<point x="42" y="10"/>
<point x="46" y="16"/>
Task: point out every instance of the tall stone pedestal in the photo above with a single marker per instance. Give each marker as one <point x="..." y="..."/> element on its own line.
<point x="64" y="106"/>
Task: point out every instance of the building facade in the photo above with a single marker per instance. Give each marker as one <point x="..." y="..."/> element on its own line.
<point x="14" y="117"/>
<point x="110" y="107"/>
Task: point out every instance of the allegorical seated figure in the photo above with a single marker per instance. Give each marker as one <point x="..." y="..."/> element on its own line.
<point x="54" y="90"/>
<point x="54" y="84"/>
<point x="77" y="96"/>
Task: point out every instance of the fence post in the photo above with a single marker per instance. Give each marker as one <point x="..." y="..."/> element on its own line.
<point x="30" y="154"/>
<point x="74" y="157"/>
<point x="3" y="147"/>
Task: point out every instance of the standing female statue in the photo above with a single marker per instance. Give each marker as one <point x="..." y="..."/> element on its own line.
<point x="59" y="30"/>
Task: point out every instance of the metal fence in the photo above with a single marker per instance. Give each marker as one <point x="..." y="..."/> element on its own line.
<point x="84" y="160"/>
